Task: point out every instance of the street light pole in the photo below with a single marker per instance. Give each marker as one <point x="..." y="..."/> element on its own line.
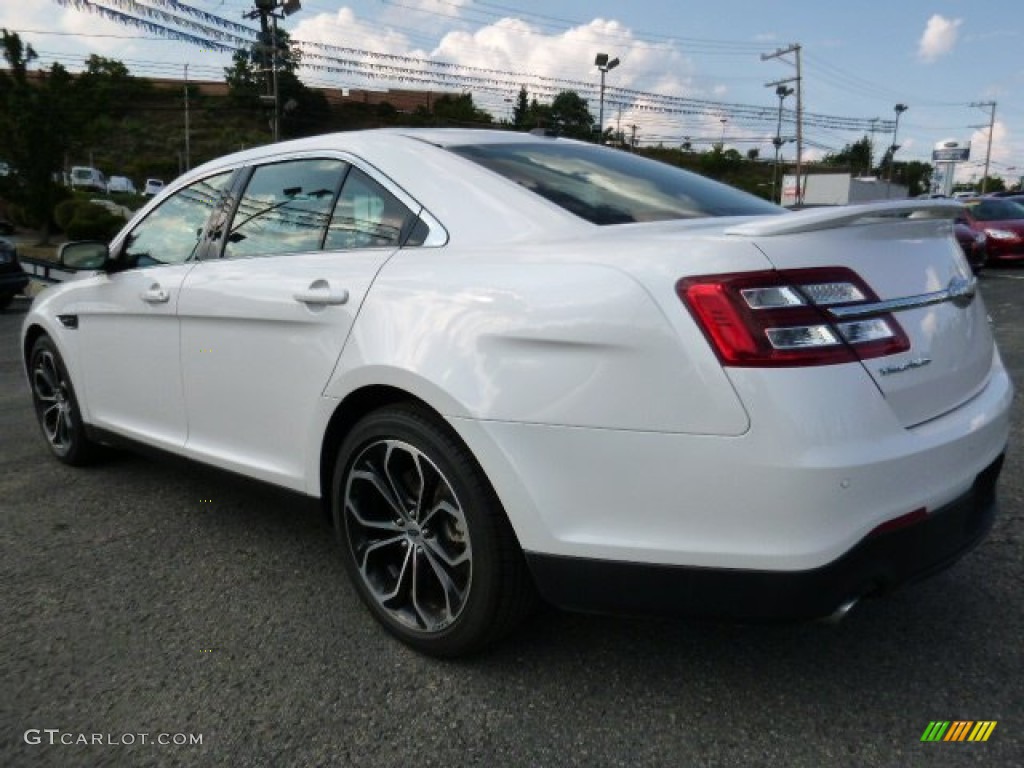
<point x="273" y="72"/>
<point x="900" y="109"/>
<point x="782" y="92"/>
<point x="602" y="63"/>
<point x="263" y="9"/>
<point x="188" y="152"/>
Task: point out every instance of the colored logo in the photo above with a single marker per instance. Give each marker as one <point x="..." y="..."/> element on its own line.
<point x="958" y="730"/>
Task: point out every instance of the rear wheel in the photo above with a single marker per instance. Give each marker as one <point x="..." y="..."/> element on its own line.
<point x="423" y="535"/>
<point x="56" y="405"/>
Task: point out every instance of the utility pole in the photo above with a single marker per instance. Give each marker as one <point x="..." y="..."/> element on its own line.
<point x="991" y="127"/>
<point x="264" y="9"/>
<point x="794" y="49"/>
<point x="632" y="141"/>
<point x="871" y="144"/>
<point x="188" y="154"/>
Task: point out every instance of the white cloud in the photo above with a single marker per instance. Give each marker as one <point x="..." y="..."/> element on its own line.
<point x="513" y="45"/>
<point x="939" y="38"/>
<point x="345" y="30"/>
<point x="442" y="7"/>
<point x="83" y="33"/>
<point x="1002" y="154"/>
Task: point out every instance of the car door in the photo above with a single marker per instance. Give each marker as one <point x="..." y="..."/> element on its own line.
<point x="263" y="326"/>
<point x="128" y="324"/>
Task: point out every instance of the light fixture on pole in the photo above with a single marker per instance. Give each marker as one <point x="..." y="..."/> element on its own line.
<point x="723" y="121"/>
<point x="782" y="92"/>
<point x="602" y="62"/>
<point x="900" y="109"/>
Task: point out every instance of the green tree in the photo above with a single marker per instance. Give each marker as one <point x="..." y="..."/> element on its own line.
<point x="855" y="156"/>
<point x="994" y="184"/>
<point x="521" y="111"/>
<point x="108" y="87"/>
<point x="571" y="116"/>
<point x="36" y="120"/>
<point x="916" y="175"/>
<point x="459" y="109"/>
<point x="251" y="75"/>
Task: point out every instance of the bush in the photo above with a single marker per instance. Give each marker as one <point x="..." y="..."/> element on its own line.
<point x="82" y="220"/>
<point x="64" y="213"/>
<point x="92" y="222"/>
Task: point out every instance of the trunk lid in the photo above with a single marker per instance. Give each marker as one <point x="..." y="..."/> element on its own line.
<point x="906" y="253"/>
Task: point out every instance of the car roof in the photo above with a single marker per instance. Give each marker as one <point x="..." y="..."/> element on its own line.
<point x="417" y="161"/>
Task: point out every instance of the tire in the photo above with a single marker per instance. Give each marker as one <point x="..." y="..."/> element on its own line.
<point x="423" y="535"/>
<point x="56" y="405"/>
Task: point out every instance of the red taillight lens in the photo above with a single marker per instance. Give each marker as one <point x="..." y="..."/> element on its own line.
<point x="779" y="318"/>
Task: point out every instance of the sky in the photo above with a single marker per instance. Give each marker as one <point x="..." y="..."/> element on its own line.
<point x="688" y="71"/>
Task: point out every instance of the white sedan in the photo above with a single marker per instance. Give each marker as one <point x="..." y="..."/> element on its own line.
<point x="514" y="365"/>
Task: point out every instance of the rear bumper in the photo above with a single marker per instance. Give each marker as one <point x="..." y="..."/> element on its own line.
<point x="878" y="563"/>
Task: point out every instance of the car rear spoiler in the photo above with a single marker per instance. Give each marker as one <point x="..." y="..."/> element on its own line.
<point x="815" y="219"/>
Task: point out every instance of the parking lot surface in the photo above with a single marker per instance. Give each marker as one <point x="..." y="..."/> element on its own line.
<point x="160" y="613"/>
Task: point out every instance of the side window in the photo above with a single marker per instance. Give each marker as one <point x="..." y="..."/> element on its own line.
<point x="367" y="216"/>
<point x="171" y="233"/>
<point x="285" y="208"/>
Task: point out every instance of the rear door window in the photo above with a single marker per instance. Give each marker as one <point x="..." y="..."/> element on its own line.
<point x="285" y="208"/>
<point x="368" y="216"/>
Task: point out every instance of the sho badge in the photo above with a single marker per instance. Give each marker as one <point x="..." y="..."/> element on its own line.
<point x="917" y="362"/>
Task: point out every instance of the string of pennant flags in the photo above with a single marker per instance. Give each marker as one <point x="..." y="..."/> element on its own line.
<point x="179" y="21"/>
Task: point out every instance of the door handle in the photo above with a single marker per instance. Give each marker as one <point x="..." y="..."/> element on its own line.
<point x="155" y="295"/>
<point x="320" y="293"/>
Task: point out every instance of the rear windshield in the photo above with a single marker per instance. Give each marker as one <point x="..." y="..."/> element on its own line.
<point x="995" y="209"/>
<point x="609" y="186"/>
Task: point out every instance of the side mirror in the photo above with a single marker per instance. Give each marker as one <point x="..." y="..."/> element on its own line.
<point x="84" y="255"/>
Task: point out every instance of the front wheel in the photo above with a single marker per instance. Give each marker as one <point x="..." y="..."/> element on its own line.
<point x="424" y="537"/>
<point x="56" y="405"/>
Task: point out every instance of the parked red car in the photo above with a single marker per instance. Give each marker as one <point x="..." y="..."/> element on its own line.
<point x="973" y="243"/>
<point x="1002" y="221"/>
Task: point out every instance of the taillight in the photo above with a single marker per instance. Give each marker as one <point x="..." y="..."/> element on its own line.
<point x="780" y="318"/>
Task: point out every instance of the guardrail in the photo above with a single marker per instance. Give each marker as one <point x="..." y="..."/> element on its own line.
<point x="44" y="270"/>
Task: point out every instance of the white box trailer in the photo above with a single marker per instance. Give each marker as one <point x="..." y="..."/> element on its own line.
<point x="840" y="189"/>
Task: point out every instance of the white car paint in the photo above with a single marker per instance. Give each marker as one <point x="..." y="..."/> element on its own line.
<point x="564" y="358"/>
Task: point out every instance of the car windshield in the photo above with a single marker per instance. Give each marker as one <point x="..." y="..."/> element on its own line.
<point x="994" y="209"/>
<point x="609" y="186"/>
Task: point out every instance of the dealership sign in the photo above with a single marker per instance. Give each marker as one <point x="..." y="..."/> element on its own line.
<point x="951" y="152"/>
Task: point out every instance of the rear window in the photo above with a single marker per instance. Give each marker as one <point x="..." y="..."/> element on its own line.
<point x="995" y="209"/>
<point x="608" y="186"/>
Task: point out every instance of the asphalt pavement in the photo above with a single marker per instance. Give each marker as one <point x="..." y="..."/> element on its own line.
<point x="160" y="613"/>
